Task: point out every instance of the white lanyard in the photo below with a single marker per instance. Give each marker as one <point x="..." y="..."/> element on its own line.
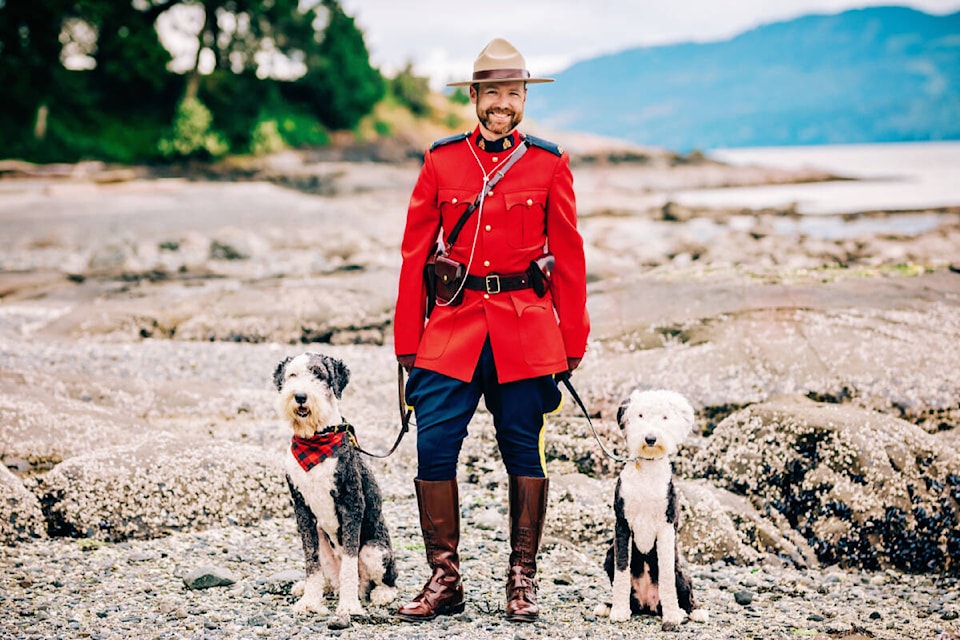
<point x="476" y="231"/>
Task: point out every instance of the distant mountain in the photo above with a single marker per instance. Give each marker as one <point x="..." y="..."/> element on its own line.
<point x="880" y="74"/>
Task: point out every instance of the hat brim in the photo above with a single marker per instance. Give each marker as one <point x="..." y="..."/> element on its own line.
<point x="467" y="83"/>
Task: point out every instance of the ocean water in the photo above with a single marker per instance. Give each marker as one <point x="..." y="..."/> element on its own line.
<point x="889" y="177"/>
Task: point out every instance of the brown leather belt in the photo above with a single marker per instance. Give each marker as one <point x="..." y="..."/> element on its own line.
<point x="495" y="283"/>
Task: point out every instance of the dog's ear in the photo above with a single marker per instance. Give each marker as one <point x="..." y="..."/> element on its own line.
<point x="333" y="371"/>
<point x="685" y="409"/>
<point x="279" y="372"/>
<point x="340" y="376"/>
<point x="621" y="412"/>
<point x="682" y="408"/>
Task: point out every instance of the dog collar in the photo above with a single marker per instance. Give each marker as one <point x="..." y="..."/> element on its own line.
<point x="309" y="452"/>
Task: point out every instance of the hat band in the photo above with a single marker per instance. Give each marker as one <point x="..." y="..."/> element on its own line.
<point x="500" y="74"/>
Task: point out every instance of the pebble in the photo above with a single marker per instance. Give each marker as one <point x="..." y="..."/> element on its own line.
<point x="96" y="598"/>
<point x="207" y="577"/>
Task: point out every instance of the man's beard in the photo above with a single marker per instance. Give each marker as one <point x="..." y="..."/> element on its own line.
<point x="499" y="127"/>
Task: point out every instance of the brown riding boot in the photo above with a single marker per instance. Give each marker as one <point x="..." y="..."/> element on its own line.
<point x="439" y="504"/>
<point x="528" y="508"/>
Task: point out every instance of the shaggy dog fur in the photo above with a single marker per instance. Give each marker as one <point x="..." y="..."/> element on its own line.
<point x="643" y="562"/>
<point x="337" y="502"/>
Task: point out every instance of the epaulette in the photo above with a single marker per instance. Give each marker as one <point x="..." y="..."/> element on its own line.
<point x="553" y="148"/>
<point x="455" y="138"/>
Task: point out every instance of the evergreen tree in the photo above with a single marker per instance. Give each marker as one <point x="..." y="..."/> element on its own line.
<point x="271" y="63"/>
<point x="340" y="85"/>
<point x="29" y="59"/>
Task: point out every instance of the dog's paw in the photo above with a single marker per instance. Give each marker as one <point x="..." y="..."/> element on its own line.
<point x="620" y="614"/>
<point x="350" y="608"/>
<point x="699" y="615"/>
<point x="672" y="621"/>
<point x="382" y="595"/>
<point x="310" y="605"/>
<point x="297" y="588"/>
<point x="602" y="610"/>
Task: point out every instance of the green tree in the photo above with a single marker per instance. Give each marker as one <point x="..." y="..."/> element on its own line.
<point x="412" y="91"/>
<point x="192" y="134"/>
<point x="130" y="59"/>
<point x="340" y="86"/>
<point x="91" y="78"/>
<point x="29" y="58"/>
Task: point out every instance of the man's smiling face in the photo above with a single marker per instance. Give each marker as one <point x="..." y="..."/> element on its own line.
<point x="499" y="106"/>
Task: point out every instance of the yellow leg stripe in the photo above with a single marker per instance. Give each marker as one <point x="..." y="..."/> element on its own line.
<point x="543" y="454"/>
<point x="559" y="406"/>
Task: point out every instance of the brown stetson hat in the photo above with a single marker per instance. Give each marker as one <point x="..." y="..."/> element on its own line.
<point x="499" y="62"/>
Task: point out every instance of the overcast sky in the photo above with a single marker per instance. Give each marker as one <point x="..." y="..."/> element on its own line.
<point x="442" y="37"/>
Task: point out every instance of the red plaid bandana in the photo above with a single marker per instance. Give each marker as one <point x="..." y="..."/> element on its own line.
<point x="311" y="451"/>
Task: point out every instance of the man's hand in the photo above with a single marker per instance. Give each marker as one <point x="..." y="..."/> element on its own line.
<point x="406" y="361"/>
<point x="573" y="363"/>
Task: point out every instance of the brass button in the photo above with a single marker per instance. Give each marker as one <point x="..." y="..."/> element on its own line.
<point x="529" y="202"/>
<point x="486" y="263"/>
<point x="488" y="228"/>
<point x="454" y="201"/>
<point x="490" y="193"/>
<point x="495" y="158"/>
<point x="486" y="296"/>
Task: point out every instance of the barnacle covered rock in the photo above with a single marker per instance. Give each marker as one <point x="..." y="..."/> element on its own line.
<point x="20" y="515"/>
<point x="865" y="489"/>
<point x="162" y="485"/>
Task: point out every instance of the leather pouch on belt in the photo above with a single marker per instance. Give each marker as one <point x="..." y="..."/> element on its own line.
<point x="449" y="276"/>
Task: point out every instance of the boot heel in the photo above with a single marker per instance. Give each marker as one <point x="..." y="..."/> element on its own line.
<point x="455" y="609"/>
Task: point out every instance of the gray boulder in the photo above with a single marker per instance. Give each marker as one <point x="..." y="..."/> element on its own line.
<point x="719" y="525"/>
<point x="20" y="515"/>
<point x="45" y="419"/>
<point x="864" y="489"/>
<point x="161" y="485"/>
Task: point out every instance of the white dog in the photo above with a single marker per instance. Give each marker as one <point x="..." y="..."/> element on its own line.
<point x="336" y="499"/>
<point x="643" y="562"/>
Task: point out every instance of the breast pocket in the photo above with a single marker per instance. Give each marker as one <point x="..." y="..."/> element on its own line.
<point x="453" y="203"/>
<point x="526" y="218"/>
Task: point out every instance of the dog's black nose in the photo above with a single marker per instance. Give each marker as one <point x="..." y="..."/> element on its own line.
<point x="650" y="440"/>
<point x="300" y="397"/>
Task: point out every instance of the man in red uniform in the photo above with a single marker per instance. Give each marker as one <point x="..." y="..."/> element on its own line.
<point x="506" y="339"/>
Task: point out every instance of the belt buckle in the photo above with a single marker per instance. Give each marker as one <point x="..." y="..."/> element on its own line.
<point x="495" y="280"/>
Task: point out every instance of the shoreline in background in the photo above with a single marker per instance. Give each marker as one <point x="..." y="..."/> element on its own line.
<point x="887" y="177"/>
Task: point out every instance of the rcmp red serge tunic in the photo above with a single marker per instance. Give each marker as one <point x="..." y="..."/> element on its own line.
<point x="532" y="209"/>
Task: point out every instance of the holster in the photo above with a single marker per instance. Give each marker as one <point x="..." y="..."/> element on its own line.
<point x="539" y="273"/>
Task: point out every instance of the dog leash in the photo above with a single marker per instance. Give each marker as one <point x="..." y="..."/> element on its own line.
<point x="404" y="423"/>
<point x="405" y="414"/>
<point x="565" y="379"/>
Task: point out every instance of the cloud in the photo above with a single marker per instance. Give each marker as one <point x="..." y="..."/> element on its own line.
<point x="442" y="37"/>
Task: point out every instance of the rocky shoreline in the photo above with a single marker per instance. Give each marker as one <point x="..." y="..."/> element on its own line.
<point x="140" y="319"/>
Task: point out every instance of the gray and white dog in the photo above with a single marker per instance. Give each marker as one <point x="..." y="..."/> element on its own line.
<point x="643" y="563"/>
<point x="336" y="499"/>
